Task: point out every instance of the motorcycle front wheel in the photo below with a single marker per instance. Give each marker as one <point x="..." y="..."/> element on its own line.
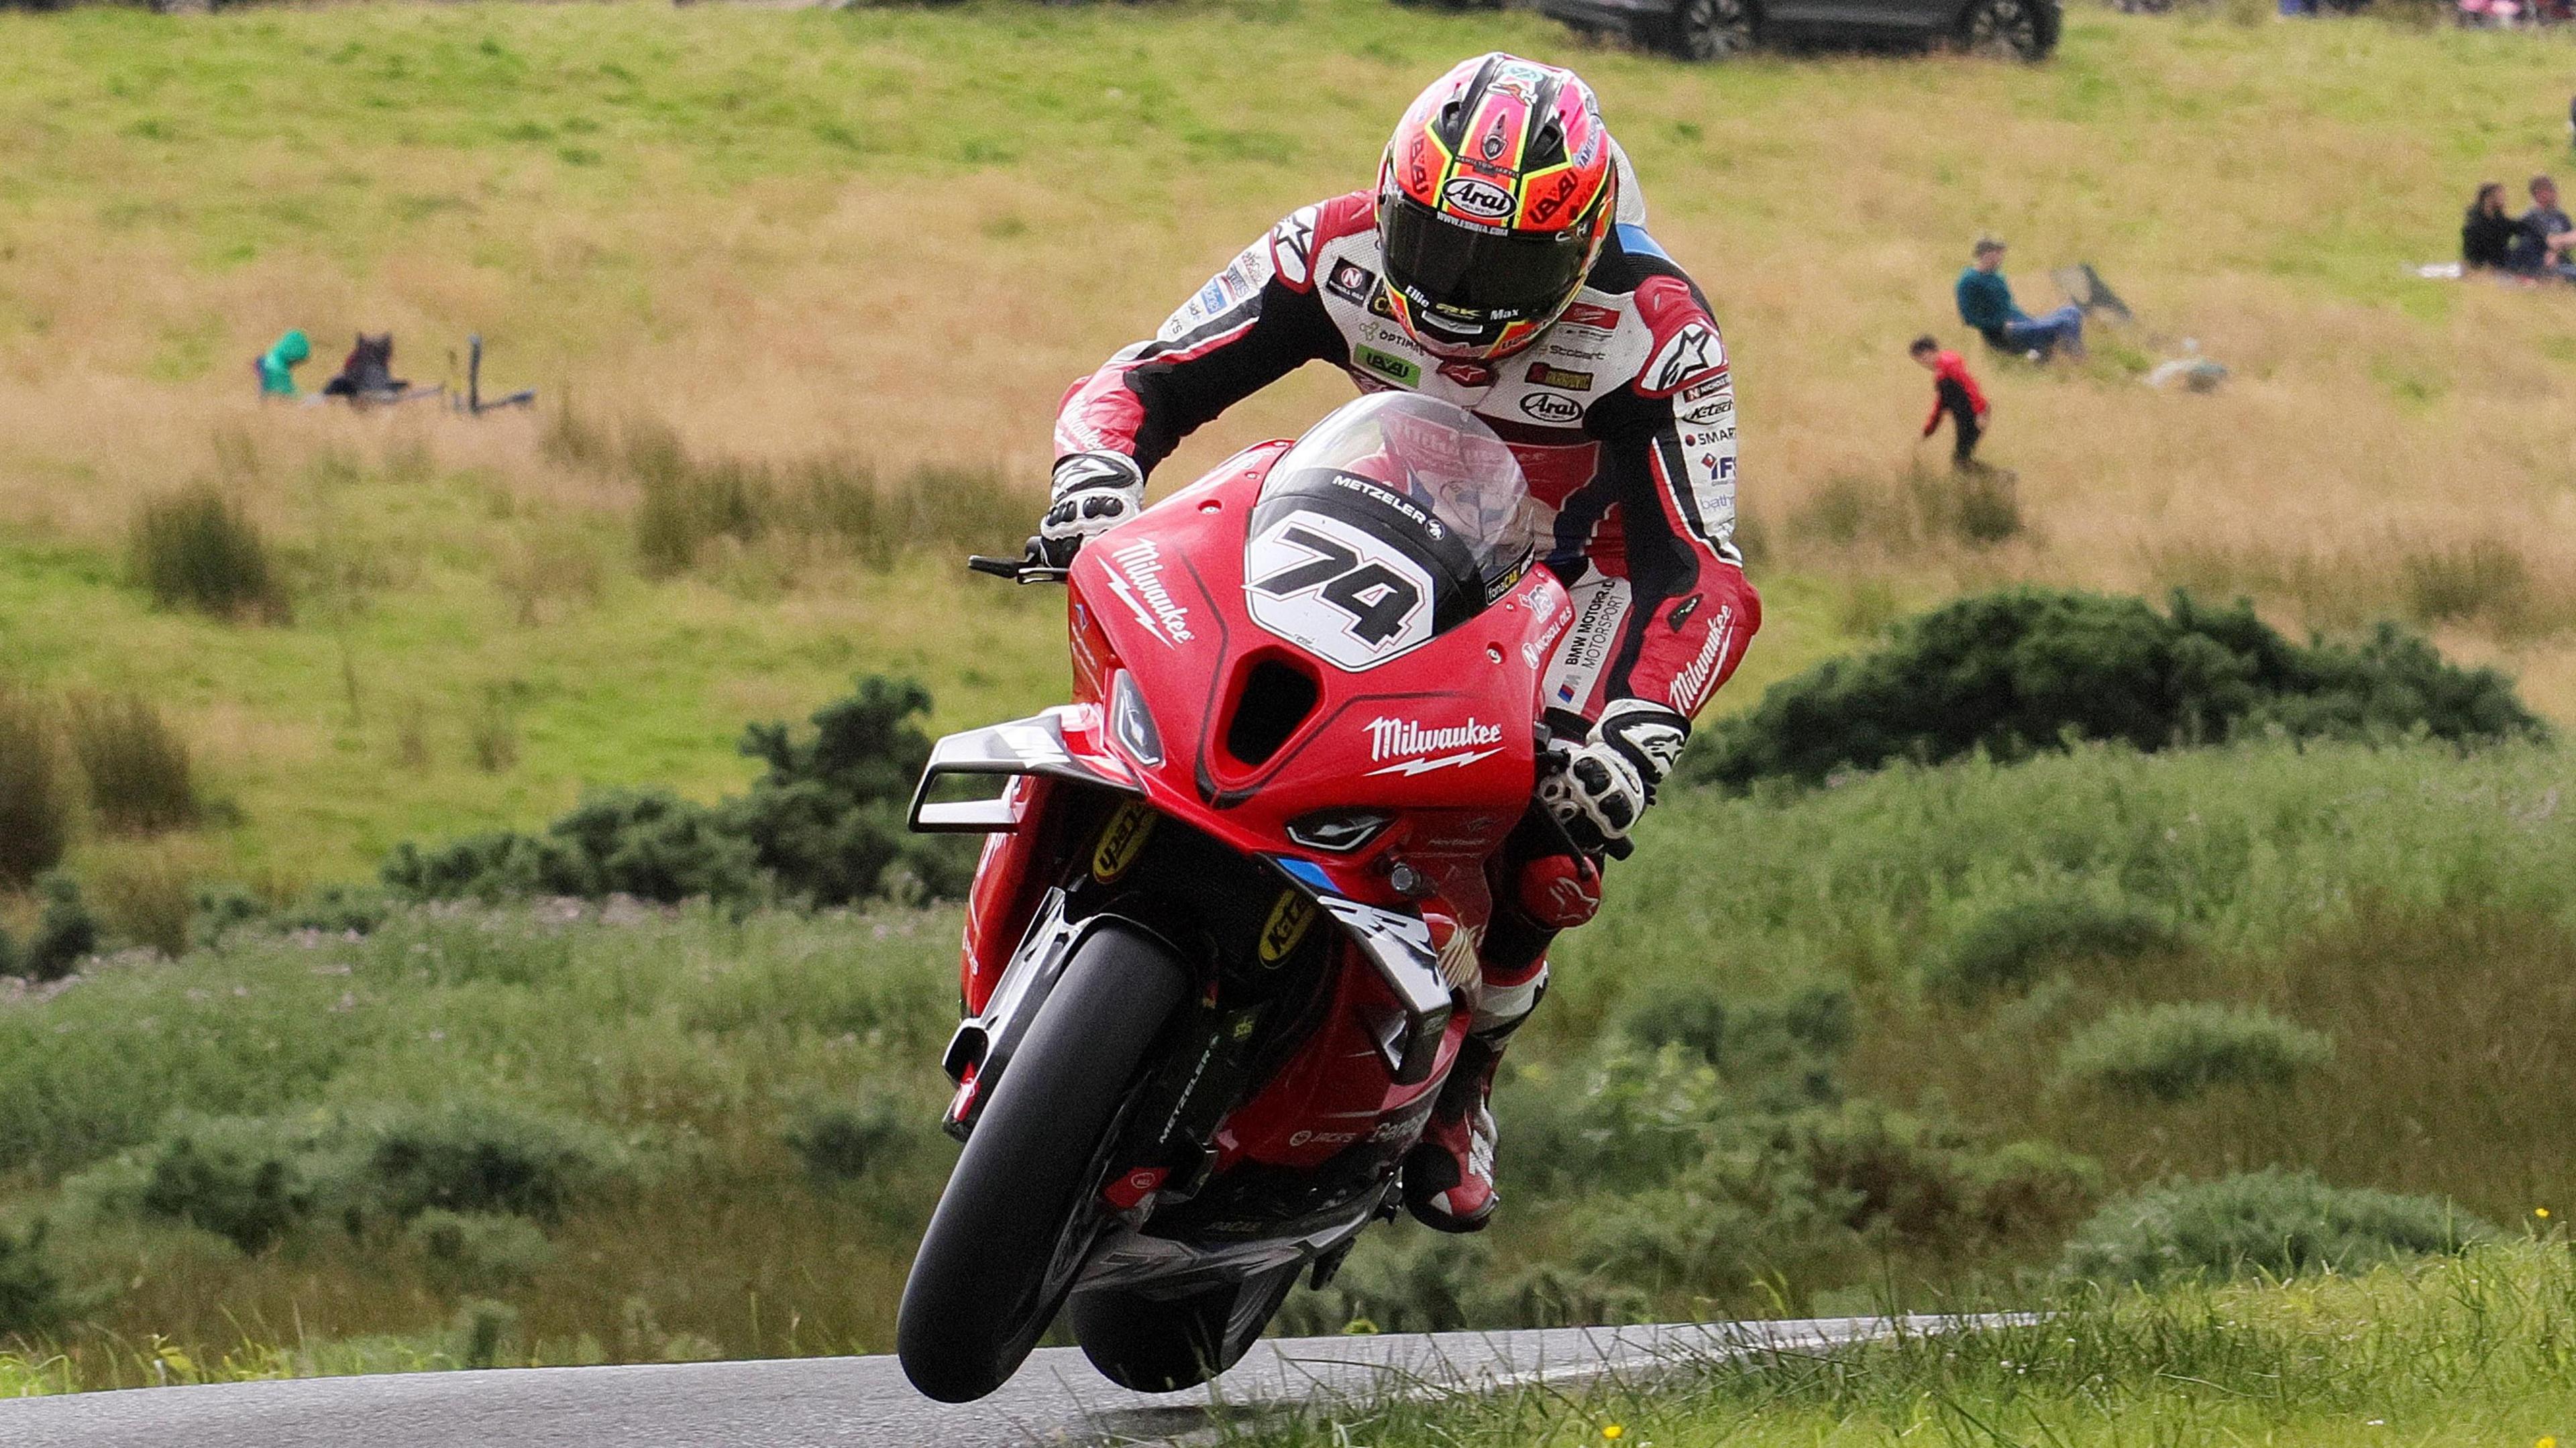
<point x="1018" y="1212"/>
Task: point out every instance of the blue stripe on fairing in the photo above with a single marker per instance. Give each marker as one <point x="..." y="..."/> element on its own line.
<point x="1634" y="241"/>
<point x="1306" y="873"/>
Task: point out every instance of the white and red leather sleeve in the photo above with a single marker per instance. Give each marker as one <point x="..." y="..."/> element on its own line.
<point x="1669" y="445"/>
<point x="1253" y="323"/>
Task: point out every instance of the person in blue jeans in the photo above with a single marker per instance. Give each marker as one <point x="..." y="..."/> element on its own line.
<point x="1986" y="304"/>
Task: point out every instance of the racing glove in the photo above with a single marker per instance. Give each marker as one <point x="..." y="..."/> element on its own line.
<point x="1610" y="781"/>
<point x="1093" y="493"/>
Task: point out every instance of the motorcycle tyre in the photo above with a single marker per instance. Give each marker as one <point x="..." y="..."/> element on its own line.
<point x="970" y="1315"/>
<point x="1163" y="1345"/>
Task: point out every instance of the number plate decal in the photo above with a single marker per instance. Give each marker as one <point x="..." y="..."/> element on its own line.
<point x="1331" y="589"/>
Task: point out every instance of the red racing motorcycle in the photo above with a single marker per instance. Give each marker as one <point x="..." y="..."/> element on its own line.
<point x="1221" y="949"/>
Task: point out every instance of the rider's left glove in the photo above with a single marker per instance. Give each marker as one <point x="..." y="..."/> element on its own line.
<point x="1093" y="493"/>
<point x="1610" y="781"/>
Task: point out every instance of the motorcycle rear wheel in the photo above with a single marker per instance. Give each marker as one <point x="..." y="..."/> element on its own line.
<point x="1018" y="1212"/>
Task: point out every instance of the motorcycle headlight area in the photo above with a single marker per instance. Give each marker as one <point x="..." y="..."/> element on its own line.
<point x="1338" y="831"/>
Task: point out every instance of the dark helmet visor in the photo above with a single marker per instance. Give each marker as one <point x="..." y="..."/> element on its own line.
<point x="1488" y="275"/>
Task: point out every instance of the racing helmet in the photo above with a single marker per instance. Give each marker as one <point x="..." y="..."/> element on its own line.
<point x="1492" y="204"/>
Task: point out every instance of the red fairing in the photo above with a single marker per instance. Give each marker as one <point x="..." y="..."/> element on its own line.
<point x="1009" y="879"/>
<point x="1443" y="737"/>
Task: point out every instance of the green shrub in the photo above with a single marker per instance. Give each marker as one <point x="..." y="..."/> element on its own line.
<point x="66" y="933"/>
<point x="35" y="802"/>
<point x="2175" y="1052"/>
<point x="844" y="1144"/>
<point x="196" y="549"/>
<point x="822" y="825"/>
<point x="2010" y="947"/>
<point x="473" y="1251"/>
<point x="650" y="844"/>
<point x="255" y="1181"/>
<point x="144" y="897"/>
<point x="827" y="816"/>
<point x="2028" y="669"/>
<point x="2271" y="1221"/>
<point x="31" y="1296"/>
<point x="141" y="780"/>
<point x="464" y="1157"/>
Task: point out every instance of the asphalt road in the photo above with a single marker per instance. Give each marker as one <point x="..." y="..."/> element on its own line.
<point x="1056" y="1399"/>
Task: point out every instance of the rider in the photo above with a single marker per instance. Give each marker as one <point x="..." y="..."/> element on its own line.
<point x="1501" y="263"/>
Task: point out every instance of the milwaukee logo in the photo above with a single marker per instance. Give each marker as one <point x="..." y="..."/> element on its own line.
<point x="1690" y="690"/>
<point x="1410" y="744"/>
<point x="1141" y="564"/>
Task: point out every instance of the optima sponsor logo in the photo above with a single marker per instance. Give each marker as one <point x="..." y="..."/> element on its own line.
<point x="1141" y="564"/>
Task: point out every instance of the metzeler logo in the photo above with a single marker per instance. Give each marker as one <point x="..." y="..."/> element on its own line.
<point x="1141" y="563"/>
<point x="1407" y="743"/>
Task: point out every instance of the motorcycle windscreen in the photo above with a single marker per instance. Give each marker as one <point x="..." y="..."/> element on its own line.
<point x="1394" y="520"/>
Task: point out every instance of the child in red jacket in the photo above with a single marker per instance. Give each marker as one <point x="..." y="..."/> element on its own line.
<point x="1953" y="392"/>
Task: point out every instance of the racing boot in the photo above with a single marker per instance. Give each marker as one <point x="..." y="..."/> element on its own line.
<point x="1449" y="1174"/>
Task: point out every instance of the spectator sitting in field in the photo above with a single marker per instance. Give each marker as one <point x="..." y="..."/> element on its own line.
<point x="1986" y="304"/>
<point x="2541" y="249"/>
<point x="277" y="365"/>
<point x="2487" y="232"/>
<point x="1953" y="392"/>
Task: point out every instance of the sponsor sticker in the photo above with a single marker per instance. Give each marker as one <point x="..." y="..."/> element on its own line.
<point x="1418" y="748"/>
<point x="1122" y="840"/>
<point x="1689" y="355"/>
<point x="1292" y="241"/>
<point x="1477" y="197"/>
<point x="1543" y="375"/>
<point x="1351" y="282"/>
<point x="1468" y="374"/>
<point x="1286" y="928"/>
<point x="1388" y="366"/>
<point x="1553" y="407"/>
<point x="1337" y="590"/>
<point x="1585" y="314"/>
<point x="1136" y="576"/>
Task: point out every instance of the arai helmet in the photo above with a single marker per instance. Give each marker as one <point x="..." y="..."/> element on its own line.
<point x="1492" y="203"/>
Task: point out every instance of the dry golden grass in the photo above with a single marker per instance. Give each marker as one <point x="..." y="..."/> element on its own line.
<point x="894" y="236"/>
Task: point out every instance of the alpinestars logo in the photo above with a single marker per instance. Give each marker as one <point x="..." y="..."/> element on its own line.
<point x="1141" y="564"/>
<point x="1412" y="746"/>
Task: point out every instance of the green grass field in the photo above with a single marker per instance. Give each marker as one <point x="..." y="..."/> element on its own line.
<point x="1758" y="1085"/>
<point x="719" y="220"/>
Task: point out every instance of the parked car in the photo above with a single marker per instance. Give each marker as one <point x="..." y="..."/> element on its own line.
<point x="1714" y="29"/>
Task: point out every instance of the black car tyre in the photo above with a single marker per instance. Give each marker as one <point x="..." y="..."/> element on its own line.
<point x="1712" y="29"/>
<point x="1020" y="1210"/>
<point x="1162" y="1345"/>
<point x="2009" y="29"/>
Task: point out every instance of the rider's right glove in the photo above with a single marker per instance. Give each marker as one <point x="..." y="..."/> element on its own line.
<point x="1610" y="781"/>
<point x="1093" y="493"/>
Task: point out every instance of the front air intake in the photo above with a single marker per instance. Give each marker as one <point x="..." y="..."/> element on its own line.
<point x="1273" y="699"/>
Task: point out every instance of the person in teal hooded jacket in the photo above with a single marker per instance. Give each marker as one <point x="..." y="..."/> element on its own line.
<point x="277" y="365"/>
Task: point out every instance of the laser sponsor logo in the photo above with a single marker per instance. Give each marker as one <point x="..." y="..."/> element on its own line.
<point x="1477" y="197"/>
<point x="1543" y="375"/>
<point x="1553" y="407"/>
<point x="1389" y="366"/>
<point x="1417" y="748"/>
<point x="1136" y="576"/>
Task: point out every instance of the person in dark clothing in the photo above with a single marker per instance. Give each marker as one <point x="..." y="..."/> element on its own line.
<point x="1953" y="392"/>
<point x="1986" y="304"/>
<point x="2547" y="235"/>
<point x="2487" y="232"/>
